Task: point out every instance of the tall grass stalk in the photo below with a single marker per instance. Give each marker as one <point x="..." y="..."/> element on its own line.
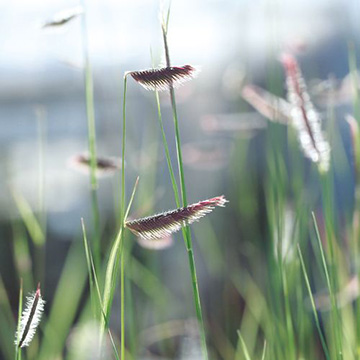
<point x="40" y="251"/>
<point x="90" y="111"/>
<point x="122" y="260"/>
<point x="187" y="233"/>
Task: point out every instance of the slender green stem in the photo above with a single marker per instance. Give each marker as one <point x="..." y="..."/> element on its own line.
<point x="168" y="160"/>
<point x="122" y="246"/>
<point x="90" y="112"/>
<point x="186" y="233"/>
<point x="167" y="153"/>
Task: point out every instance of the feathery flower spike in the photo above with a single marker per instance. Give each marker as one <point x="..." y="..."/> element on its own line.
<point x="304" y="117"/>
<point x="268" y="105"/>
<point x="30" y="318"/>
<point x="162" y="79"/>
<point x="166" y="223"/>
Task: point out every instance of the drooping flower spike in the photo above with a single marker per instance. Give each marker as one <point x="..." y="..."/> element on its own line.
<point x="30" y="318"/>
<point x="166" y="223"/>
<point x="304" y="117"/>
<point x="162" y="79"/>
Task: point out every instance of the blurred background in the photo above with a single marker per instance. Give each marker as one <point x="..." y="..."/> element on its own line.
<point x="228" y="148"/>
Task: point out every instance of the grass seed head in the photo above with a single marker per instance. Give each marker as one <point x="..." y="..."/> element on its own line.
<point x="166" y="223"/>
<point x="30" y="319"/>
<point x="162" y="79"/>
<point x="305" y="119"/>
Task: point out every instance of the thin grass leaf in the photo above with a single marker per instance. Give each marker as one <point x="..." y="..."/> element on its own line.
<point x="263" y="356"/>
<point x="305" y="119"/>
<point x="30" y="319"/>
<point x="243" y="346"/>
<point x="166" y="223"/>
<point x="93" y="280"/>
<point x="313" y="306"/>
<point x="267" y="104"/>
<point x="31" y="222"/>
<point x="162" y="79"/>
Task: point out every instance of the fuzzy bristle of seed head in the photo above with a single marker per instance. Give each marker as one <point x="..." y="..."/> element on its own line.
<point x="30" y="318"/>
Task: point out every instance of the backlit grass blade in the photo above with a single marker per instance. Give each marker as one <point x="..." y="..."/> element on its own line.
<point x="313" y="306"/>
<point x="93" y="280"/>
<point x="112" y="268"/>
<point x="243" y="346"/>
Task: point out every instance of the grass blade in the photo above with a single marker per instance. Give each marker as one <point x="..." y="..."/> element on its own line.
<point x="243" y="346"/>
<point x="93" y="280"/>
<point x="112" y="268"/>
<point x="313" y="306"/>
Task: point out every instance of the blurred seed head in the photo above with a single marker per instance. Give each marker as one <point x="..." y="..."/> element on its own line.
<point x="104" y="165"/>
<point x="63" y="17"/>
<point x="304" y="118"/>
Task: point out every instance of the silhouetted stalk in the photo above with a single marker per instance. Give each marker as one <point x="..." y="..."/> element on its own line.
<point x="89" y="94"/>
<point x="187" y="237"/>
